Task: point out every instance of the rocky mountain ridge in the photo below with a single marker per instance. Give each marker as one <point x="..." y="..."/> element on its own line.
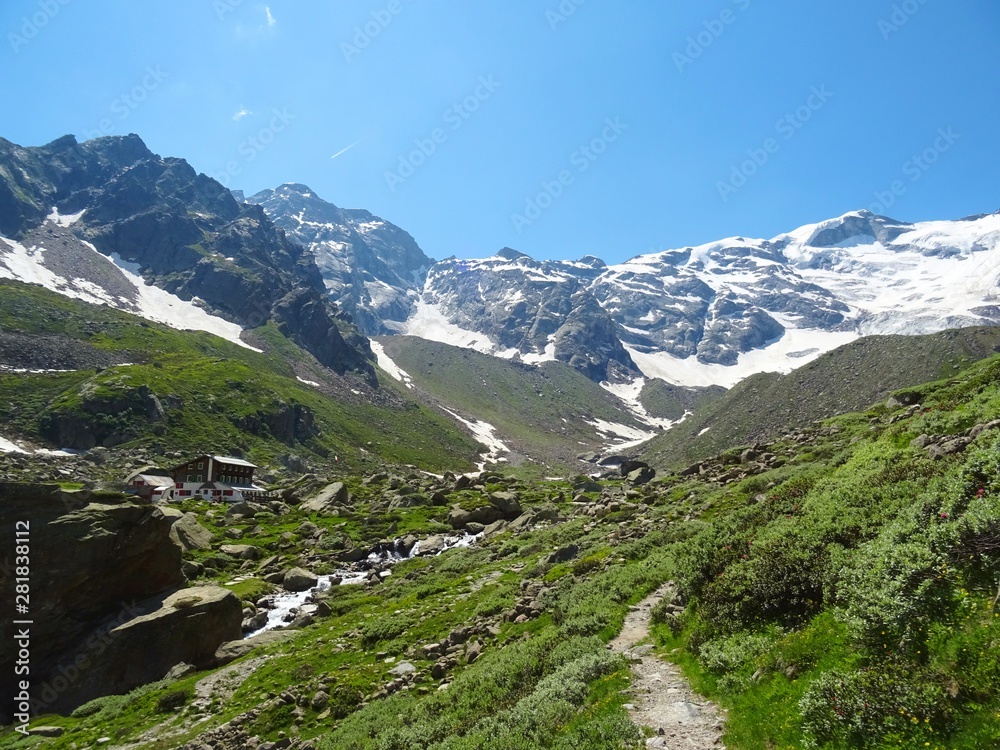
<point x="372" y="269"/>
<point x="694" y="316"/>
<point x="109" y="221"/>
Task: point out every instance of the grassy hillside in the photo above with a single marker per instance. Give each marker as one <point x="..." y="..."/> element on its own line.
<point x="837" y="592"/>
<point x="668" y="401"/>
<point x="543" y="412"/>
<point x="848" y="378"/>
<point x="138" y="384"/>
<point x="848" y="599"/>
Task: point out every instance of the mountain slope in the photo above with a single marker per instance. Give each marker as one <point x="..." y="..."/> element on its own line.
<point x="181" y="231"/>
<point x="95" y="376"/>
<point x="717" y="313"/>
<point x="547" y="414"/>
<point x="372" y="269"/>
<point x="843" y="599"/>
<point x="849" y="378"/>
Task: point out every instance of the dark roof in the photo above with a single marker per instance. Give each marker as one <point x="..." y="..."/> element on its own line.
<point x="230" y="460"/>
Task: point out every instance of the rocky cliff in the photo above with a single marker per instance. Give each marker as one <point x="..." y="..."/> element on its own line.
<point x="106" y="606"/>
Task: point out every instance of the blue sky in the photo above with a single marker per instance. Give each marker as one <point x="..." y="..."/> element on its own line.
<point x="557" y="128"/>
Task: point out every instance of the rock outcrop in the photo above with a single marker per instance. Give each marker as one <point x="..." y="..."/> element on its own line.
<point x="103" y="570"/>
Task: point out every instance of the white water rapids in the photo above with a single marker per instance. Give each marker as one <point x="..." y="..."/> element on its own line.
<point x="286" y="606"/>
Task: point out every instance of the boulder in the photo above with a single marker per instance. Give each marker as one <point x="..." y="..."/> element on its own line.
<point x="186" y="531"/>
<point x="522" y="522"/>
<point x="458" y="518"/>
<point x="564" y="554"/>
<point x="328" y="500"/>
<point x="630" y="465"/>
<point x="615" y="460"/>
<point x="299" y="579"/>
<point x="185" y="626"/>
<point x="507" y="503"/>
<point x="403" y="668"/>
<point x="432" y="545"/>
<point x="240" y="510"/>
<point x="642" y="475"/>
<point x="90" y="561"/>
<point x="495" y="528"/>
<point x="241" y="551"/>
<point x="233" y="650"/>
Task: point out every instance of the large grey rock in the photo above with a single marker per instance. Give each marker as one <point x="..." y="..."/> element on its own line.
<point x="241" y="551"/>
<point x="459" y="518"/>
<point x="328" y="500"/>
<point x="186" y="531"/>
<point x="507" y="503"/>
<point x="643" y="475"/>
<point x="233" y="650"/>
<point x="432" y="545"/>
<point x="299" y="579"/>
<point x="564" y="554"/>
<point x="90" y="562"/>
<point x="185" y="626"/>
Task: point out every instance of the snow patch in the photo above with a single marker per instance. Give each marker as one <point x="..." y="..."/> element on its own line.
<point x="632" y="435"/>
<point x="28" y="265"/>
<point x="629" y="394"/>
<point x="8" y="446"/>
<point x="778" y="357"/>
<point x="64" y="220"/>
<point x="429" y="322"/>
<point x="485" y="434"/>
<point x="307" y="382"/>
<point x="390" y="367"/>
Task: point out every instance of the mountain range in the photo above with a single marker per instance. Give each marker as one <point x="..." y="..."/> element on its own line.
<point x="109" y="222"/>
<point x="694" y="316"/>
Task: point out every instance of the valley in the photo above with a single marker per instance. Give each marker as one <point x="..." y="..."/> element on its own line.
<point x="743" y="493"/>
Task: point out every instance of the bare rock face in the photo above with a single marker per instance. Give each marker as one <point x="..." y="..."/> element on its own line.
<point x="185" y="626"/>
<point x="100" y="567"/>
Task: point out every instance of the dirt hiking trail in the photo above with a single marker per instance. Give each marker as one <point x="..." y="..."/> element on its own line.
<point x="661" y="698"/>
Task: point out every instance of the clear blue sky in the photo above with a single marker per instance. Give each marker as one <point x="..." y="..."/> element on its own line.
<point x="700" y="86"/>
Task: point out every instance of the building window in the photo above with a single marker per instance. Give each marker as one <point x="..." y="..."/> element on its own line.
<point x="201" y="464"/>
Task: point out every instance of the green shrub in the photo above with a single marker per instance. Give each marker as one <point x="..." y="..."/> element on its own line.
<point x="734" y="653"/>
<point x="384" y="628"/>
<point x="872" y="707"/>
